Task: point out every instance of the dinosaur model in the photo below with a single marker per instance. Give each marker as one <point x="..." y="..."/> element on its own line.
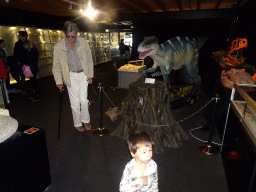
<point x="173" y="54"/>
<point x="237" y="46"/>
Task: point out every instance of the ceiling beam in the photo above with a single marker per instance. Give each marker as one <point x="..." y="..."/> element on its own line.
<point x="72" y="2"/>
<point x="189" y="4"/>
<point x="138" y="4"/>
<point x="178" y="3"/>
<point x="202" y="14"/>
<point x="217" y="5"/>
<point x="128" y="7"/>
<point x="237" y="3"/>
<point x="198" y="4"/>
<point x="161" y="5"/>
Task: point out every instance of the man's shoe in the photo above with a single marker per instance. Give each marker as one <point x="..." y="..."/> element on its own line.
<point x="80" y="129"/>
<point x="87" y="126"/>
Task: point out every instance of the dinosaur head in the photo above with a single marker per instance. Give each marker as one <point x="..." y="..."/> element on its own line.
<point x="148" y="47"/>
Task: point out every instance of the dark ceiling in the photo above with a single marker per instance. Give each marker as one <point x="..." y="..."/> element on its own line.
<point x="122" y="11"/>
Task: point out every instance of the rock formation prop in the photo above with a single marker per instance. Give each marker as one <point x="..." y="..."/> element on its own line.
<point x="147" y="108"/>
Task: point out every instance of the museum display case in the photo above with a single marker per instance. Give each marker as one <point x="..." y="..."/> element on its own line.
<point x="102" y="48"/>
<point x="243" y="103"/>
<point x="45" y="39"/>
<point x="106" y="47"/>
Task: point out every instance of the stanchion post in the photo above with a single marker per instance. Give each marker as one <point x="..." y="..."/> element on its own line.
<point x="211" y="149"/>
<point x="115" y="87"/>
<point x="90" y="102"/>
<point x="101" y="130"/>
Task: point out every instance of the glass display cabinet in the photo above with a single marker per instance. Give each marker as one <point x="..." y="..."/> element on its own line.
<point x="243" y="102"/>
<point x="45" y="39"/>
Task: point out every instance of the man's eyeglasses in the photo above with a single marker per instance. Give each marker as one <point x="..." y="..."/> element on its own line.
<point x="71" y="37"/>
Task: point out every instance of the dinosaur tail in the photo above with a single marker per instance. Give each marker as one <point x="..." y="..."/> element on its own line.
<point x="200" y="41"/>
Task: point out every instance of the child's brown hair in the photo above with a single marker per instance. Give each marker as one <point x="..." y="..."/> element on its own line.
<point x="136" y="138"/>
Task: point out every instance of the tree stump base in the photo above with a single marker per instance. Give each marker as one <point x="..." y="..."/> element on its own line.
<point x="147" y="108"/>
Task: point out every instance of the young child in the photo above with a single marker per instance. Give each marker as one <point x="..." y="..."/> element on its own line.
<point x="140" y="174"/>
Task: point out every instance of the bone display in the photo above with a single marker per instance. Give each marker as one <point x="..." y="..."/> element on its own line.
<point x="238" y="76"/>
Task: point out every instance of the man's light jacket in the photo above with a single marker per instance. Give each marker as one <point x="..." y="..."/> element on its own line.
<point x="60" y="67"/>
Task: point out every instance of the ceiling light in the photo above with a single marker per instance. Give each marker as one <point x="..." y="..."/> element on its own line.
<point x="90" y="12"/>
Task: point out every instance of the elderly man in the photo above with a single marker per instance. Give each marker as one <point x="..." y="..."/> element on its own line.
<point x="73" y="66"/>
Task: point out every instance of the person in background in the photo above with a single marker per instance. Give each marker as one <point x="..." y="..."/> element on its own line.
<point x="4" y="60"/>
<point x="32" y="61"/>
<point x="2" y="53"/>
<point x="122" y="48"/>
<point x="20" y="58"/>
<point x="73" y="66"/>
<point x="140" y="174"/>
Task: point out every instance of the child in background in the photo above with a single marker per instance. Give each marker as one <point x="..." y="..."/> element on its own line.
<point x="140" y="174"/>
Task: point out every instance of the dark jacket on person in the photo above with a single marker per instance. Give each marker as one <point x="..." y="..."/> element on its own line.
<point x="18" y="59"/>
<point x="31" y="59"/>
<point x="19" y="52"/>
<point x="3" y="57"/>
<point x="15" y="68"/>
<point x="122" y="48"/>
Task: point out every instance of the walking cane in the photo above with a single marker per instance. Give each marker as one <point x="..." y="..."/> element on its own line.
<point x="60" y="114"/>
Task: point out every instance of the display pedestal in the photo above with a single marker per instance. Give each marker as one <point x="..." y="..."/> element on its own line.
<point x="128" y="75"/>
<point x="24" y="162"/>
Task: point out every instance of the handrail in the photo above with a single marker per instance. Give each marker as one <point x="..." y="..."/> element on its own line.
<point x="250" y="102"/>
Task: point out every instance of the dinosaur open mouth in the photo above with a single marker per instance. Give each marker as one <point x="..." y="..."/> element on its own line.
<point x="142" y="54"/>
